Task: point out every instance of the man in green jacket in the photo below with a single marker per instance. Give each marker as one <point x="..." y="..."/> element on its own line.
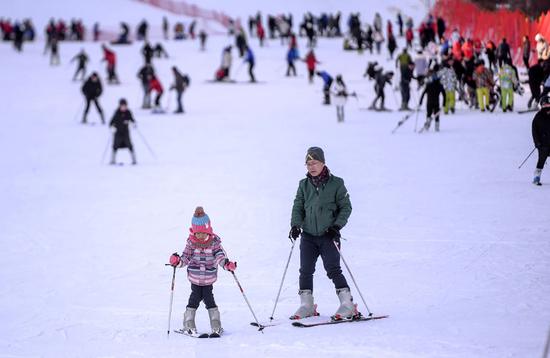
<point x="321" y="209"/>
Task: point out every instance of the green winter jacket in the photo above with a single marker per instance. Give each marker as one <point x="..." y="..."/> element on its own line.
<point x="317" y="209"/>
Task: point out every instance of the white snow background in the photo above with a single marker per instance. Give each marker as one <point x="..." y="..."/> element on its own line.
<point x="447" y="236"/>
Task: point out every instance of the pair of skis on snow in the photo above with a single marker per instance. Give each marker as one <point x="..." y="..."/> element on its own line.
<point x="197" y="335"/>
<point x="297" y="323"/>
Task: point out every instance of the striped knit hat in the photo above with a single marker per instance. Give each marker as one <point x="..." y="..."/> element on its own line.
<point x="200" y="222"/>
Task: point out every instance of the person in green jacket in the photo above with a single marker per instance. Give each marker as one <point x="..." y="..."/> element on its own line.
<point x="321" y="209"/>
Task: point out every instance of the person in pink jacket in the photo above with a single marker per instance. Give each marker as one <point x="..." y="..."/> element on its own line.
<point x="202" y="255"/>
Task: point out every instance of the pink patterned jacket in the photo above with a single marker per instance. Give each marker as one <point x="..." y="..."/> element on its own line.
<point x="202" y="260"/>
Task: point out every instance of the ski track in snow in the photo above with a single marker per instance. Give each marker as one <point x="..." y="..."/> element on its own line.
<point x="446" y="235"/>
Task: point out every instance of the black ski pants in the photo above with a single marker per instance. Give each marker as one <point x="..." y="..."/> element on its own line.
<point x="201" y="293"/>
<point x="311" y="247"/>
<point x="544" y="152"/>
<point x="88" y="102"/>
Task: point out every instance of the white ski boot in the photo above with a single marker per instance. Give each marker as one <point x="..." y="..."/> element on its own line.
<point x="215" y="322"/>
<point x="189" y="326"/>
<point x="536" y="179"/>
<point x="307" y="307"/>
<point x="347" y="309"/>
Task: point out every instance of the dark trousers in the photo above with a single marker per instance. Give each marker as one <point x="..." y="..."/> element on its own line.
<point x="405" y="94"/>
<point x="311" y="247"/>
<point x="250" y="73"/>
<point x="178" y="99"/>
<point x="290" y="69"/>
<point x="544" y="152"/>
<point x="201" y="293"/>
<point x="157" y="99"/>
<point x="88" y="102"/>
<point x="80" y="69"/>
<point x="433" y="111"/>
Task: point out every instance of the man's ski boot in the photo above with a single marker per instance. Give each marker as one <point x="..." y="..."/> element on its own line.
<point x="307" y="307"/>
<point x="347" y="310"/>
<point x="189" y="326"/>
<point x="215" y="322"/>
<point x="536" y="179"/>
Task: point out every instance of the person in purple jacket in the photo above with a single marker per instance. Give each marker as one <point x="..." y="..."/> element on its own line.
<point x="202" y="255"/>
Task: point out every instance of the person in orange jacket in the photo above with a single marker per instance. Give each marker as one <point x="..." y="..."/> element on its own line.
<point x="468" y="50"/>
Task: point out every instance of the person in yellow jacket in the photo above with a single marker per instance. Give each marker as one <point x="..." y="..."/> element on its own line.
<point x="484" y="82"/>
<point x="508" y="81"/>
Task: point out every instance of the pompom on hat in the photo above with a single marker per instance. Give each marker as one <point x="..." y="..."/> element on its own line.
<point x="200" y="222"/>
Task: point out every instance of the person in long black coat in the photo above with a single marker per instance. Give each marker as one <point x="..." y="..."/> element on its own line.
<point x="92" y="89"/>
<point x="541" y="135"/>
<point x="120" y="125"/>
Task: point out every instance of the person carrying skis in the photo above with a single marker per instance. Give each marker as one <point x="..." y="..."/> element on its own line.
<point x="340" y="97"/>
<point x="433" y="89"/>
<point x="249" y="57"/>
<point x="110" y="57"/>
<point x="311" y="61"/>
<point x="120" y="126"/>
<point x="541" y="135"/>
<point x="447" y="77"/>
<point x="327" y="82"/>
<point x="202" y="255"/>
<point x="181" y="82"/>
<point x="508" y="82"/>
<point x="92" y="89"/>
<point x="155" y="85"/>
<point x="381" y="79"/>
<point x="321" y="209"/>
<point x="144" y="75"/>
<point x="82" y="59"/>
<point x="483" y="78"/>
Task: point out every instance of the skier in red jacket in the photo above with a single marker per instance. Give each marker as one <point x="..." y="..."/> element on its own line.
<point x="110" y="57"/>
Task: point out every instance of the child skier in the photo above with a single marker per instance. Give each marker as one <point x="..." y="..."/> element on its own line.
<point x="432" y="90"/>
<point x="202" y="254"/>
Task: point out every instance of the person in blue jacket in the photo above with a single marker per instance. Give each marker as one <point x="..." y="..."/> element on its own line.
<point x="327" y="82"/>
<point x="291" y="56"/>
<point x="249" y="57"/>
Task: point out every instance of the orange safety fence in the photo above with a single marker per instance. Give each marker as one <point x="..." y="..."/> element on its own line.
<point x="473" y="22"/>
<point x="181" y="7"/>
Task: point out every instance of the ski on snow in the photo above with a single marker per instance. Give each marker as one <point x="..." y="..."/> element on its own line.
<point x="198" y="335"/>
<point x="307" y="325"/>
<point x="527" y="110"/>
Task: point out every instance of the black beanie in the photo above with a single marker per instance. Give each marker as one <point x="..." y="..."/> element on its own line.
<point x="315" y="153"/>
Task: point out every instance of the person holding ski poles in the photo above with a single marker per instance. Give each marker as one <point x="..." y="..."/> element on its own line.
<point x="541" y="135"/>
<point x="202" y="255"/>
<point x="321" y="209"/>
<point x="433" y="89"/>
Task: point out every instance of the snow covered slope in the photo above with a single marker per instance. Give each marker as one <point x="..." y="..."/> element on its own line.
<point x="446" y="236"/>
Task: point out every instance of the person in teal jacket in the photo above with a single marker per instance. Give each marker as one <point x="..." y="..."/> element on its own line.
<point x="321" y="209"/>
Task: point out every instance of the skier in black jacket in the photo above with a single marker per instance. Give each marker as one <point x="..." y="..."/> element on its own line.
<point x="148" y="52"/>
<point x="433" y="89"/>
<point x="181" y="82"/>
<point x="144" y="74"/>
<point x="119" y="124"/>
<point x="92" y="89"/>
<point x="536" y="78"/>
<point x="82" y="59"/>
<point x="381" y="79"/>
<point x="541" y="135"/>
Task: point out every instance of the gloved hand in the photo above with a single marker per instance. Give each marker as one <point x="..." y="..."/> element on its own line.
<point x="294" y="233"/>
<point x="175" y="259"/>
<point x="333" y="233"/>
<point x="229" y="265"/>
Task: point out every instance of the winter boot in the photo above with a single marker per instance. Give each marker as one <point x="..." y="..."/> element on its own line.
<point x="215" y="322"/>
<point x="189" y="321"/>
<point x="536" y="179"/>
<point x="347" y="309"/>
<point x="307" y="307"/>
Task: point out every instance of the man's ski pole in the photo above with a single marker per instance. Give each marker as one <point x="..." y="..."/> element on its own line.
<point x="527" y="158"/>
<point x="171" y="299"/>
<point x="352" y="278"/>
<point x="146" y="144"/>
<point x="248" y="303"/>
<point x="282" y="280"/>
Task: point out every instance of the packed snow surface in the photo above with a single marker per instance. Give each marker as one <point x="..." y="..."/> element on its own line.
<point x="447" y="236"/>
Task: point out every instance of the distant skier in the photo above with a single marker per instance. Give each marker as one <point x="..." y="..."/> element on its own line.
<point x="181" y="82"/>
<point x="407" y="75"/>
<point x="241" y="43"/>
<point x="144" y="74"/>
<point x="433" y="90"/>
<point x="484" y="83"/>
<point x="340" y="97"/>
<point x="120" y="125"/>
<point x="92" y="89"/>
<point x="160" y="51"/>
<point x="156" y="86"/>
<point x="54" y="51"/>
<point x="110" y="57"/>
<point x="250" y="59"/>
<point x="541" y="135"/>
<point x="227" y="59"/>
<point x="202" y="255"/>
<point x="202" y="37"/>
<point x="381" y="79"/>
<point x="291" y="57"/>
<point x="321" y="209"/>
<point x="311" y="61"/>
<point x="82" y="59"/>
<point x="148" y="52"/>
<point x="327" y="83"/>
